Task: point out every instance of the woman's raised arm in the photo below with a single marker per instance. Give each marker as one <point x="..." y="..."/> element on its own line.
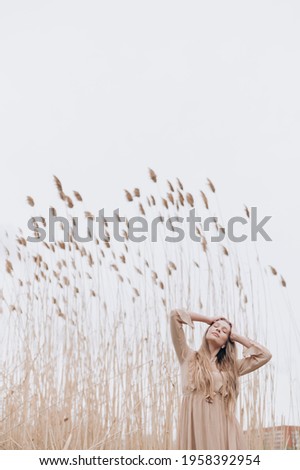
<point x="255" y="355"/>
<point x="178" y="317"/>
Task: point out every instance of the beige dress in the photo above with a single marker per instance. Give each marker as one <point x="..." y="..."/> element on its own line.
<point x="203" y="423"/>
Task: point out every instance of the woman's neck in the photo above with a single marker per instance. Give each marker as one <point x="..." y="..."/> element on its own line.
<point x="213" y="351"/>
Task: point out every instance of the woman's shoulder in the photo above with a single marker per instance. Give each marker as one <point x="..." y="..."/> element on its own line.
<point x="194" y="355"/>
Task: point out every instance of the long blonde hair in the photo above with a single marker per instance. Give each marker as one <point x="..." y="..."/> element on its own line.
<point x="200" y="370"/>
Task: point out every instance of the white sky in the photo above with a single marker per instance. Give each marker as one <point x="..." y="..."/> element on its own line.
<point x="96" y="92"/>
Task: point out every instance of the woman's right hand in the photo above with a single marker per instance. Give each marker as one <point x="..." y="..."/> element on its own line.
<point x="204" y="318"/>
<point x="213" y="319"/>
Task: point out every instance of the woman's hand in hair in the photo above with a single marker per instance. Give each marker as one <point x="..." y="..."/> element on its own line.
<point x="203" y="318"/>
<point x="214" y="319"/>
<point x="234" y="336"/>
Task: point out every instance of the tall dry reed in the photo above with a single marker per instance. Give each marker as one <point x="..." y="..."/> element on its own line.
<point x="86" y="356"/>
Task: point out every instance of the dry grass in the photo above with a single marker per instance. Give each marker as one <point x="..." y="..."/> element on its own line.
<point x="87" y="361"/>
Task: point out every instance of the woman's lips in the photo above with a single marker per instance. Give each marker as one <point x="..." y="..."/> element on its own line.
<point x="216" y="334"/>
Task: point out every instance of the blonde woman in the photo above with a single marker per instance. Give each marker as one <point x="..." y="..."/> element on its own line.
<point x="210" y="379"/>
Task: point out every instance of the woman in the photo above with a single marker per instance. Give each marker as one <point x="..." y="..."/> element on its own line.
<point x="210" y="382"/>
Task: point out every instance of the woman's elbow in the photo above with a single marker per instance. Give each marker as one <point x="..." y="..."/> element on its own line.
<point x="268" y="356"/>
<point x="173" y="312"/>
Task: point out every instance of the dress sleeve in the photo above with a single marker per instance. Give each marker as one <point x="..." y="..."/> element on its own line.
<point x="254" y="357"/>
<point x="177" y="318"/>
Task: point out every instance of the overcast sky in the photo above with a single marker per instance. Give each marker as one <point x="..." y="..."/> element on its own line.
<point x="96" y="92"/>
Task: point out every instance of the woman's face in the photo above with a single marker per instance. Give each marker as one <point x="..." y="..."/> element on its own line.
<point x="218" y="332"/>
